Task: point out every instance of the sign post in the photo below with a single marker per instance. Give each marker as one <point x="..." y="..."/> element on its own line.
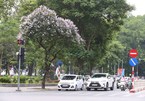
<point x="132" y="77"/>
<point x="133" y="62"/>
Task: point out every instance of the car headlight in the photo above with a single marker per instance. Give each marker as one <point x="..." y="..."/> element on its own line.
<point x="88" y="80"/>
<point x="59" y="83"/>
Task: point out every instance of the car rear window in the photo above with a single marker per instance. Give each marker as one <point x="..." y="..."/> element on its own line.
<point x="68" y="77"/>
<point x="98" y="75"/>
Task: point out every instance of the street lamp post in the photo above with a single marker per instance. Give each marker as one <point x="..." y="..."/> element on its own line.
<point x="19" y="55"/>
<point x="20" y="42"/>
<point x="69" y="66"/>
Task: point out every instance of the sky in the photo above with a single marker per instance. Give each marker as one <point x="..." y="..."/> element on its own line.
<point x="139" y="7"/>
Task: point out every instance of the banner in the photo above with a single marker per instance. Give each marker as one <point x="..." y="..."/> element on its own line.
<point x="121" y="72"/>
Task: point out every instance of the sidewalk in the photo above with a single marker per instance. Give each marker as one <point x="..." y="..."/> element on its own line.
<point x="26" y="89"/>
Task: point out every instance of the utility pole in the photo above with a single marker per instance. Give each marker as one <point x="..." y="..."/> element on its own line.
<point x="20" y="43"/>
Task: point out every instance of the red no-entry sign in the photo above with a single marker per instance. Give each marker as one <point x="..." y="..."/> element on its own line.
<point x="133" y="53"/>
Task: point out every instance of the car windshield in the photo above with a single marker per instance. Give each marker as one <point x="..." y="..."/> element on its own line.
<point x="68" y="77"/>
<point x="99" y="75"/>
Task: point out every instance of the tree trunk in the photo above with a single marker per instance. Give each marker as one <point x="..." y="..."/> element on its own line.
<point x="43" y="80"/>
<point x="30" y="69"/>
<point x="47" y="69"/>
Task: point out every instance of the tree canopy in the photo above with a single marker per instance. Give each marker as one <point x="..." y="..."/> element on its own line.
<point x="97" y="21"/>
<point x="49" y="32"/>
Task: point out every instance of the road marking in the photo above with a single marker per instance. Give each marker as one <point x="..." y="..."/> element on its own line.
<point x="113" y="94"/>
<point x="99" y="94"/>
<point x="143" y="95"/>
<point x="128" y="94"/>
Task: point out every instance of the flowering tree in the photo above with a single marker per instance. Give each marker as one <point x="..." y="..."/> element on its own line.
<point x="49" y="32"/>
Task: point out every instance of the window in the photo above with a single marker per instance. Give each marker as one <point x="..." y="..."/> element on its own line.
<point x="98" y="75"/>
<point x="68" y="77"/>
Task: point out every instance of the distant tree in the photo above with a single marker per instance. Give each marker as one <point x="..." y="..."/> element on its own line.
<point x="97" y="21"/>
<point x="49" y="32"/>
<point x="8" y="8"/>
<point x="132" y="35"/>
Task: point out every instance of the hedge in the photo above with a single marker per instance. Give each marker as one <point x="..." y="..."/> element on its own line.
<point x="23" y="79"/>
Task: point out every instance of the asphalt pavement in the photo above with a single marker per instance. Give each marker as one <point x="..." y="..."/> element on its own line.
<point x="37" y="94"/>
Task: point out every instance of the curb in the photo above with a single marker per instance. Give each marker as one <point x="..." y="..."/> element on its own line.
<point x="137" y="90"/>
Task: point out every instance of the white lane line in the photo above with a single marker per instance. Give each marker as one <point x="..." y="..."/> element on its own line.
<point x="141" y="96"/>
<point x="99" y="94"/>
<point x="133" y="94"/>
<point x="120" y="93"/>
<point x="128" y="94"/>
<point x="114" y="94"/>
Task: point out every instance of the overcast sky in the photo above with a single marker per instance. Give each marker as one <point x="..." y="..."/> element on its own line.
<point x="139" y="5"/>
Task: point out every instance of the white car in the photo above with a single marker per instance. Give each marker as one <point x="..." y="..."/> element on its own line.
<point x="71" y="82"/>
<point x="100" y="81"/>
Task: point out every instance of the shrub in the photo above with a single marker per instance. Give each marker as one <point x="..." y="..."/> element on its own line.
<point x="23" y="79"/>
<point x="37" y="79"/>
<point x="5" y="79"/>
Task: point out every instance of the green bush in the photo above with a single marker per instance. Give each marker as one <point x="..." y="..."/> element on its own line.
<point x="14" y="79"/>
<point x="23" y="79"/>
<point x="5" y="79"/>
<point x="37" y="79"/>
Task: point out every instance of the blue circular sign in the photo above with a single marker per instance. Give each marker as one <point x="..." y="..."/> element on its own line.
<point x="59" y="63"/>
<point x="133" y="62"/>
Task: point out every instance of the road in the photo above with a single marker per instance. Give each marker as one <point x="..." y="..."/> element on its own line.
<point x="54" y="95"/>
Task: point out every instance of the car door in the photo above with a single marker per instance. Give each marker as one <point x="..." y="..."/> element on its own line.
<point x="109" y="80"/>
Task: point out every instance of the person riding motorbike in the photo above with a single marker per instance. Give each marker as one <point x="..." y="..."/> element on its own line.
<point x="123" y="84"/>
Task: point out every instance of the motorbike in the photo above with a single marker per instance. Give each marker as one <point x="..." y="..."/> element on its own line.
<point x="129" y="84"/>
<point x="123" y="85"/>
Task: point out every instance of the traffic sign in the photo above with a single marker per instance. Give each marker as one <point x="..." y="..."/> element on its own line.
<point x="59" y="63"/>
<point x="133" y="62"/>
<point x="133" y="53"/>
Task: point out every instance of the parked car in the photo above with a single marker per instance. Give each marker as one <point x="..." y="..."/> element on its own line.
<point x="100" y="81"/>
<point x="71" y="82"/>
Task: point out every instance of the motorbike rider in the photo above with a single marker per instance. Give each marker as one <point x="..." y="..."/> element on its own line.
<point x="124" y="81"/>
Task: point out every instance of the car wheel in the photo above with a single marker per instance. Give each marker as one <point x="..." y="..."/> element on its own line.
<point x="59" y="89"/>
<point x="106" y="89"/>
<point x="117" y="87"/>
<point x="112" y="88"/>
<point x="88" y="89"/>
<point x="76" y="88"/>
<point x="82" y="87"/>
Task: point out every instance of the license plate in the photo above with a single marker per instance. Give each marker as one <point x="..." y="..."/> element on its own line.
<point x="65" y="85"/>
<point x="94" y="84"/>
